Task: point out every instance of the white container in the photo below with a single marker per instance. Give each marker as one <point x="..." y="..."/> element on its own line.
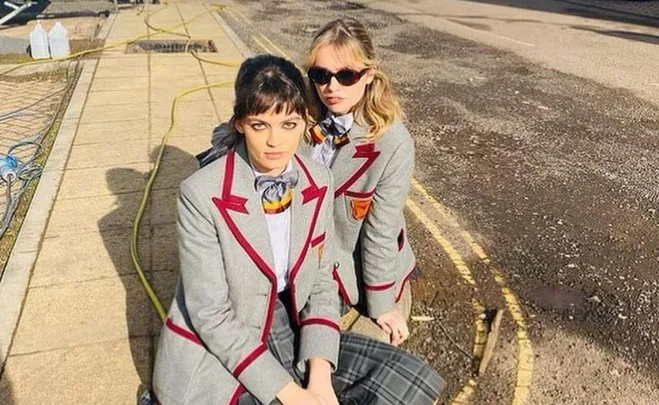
<point x="39" y="43"/>
<point x="58" y="38"/>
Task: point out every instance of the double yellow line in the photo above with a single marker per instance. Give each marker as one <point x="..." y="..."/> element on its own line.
<point x="524" y="368"/>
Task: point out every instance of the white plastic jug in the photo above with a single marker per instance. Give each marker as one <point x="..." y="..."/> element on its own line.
<point x="39" y="43"/>
<point x="59" y="41"/>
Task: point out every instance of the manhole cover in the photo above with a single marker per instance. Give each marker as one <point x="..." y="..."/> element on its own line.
<point x="171" y="46"/>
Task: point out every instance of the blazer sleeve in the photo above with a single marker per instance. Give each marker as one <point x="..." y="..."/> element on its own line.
<point x="206" y="294"/>
<point x="380" y="232"/>
<point x="319" y="320"/>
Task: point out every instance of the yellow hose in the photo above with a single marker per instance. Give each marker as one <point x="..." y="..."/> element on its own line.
<point x="162" y="313"/>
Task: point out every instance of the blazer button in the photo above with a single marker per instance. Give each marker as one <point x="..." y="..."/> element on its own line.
<point x="337" y="265"/>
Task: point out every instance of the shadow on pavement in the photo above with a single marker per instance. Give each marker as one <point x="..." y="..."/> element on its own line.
<point x="141" y="317"/>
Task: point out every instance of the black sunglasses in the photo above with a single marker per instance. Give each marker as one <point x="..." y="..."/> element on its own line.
<point x="346" y="77"/>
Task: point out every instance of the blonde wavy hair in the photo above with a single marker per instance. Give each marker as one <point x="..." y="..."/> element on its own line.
<point x="379" y="107"/>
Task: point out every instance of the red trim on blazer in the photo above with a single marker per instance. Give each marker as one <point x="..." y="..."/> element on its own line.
<point x="230" y="202"/>
<point x="342" y="289"/>
<point x="183" y="332"/>
<point x="247" y="360"/>
<point x="405" y="280"/>
<point x="318" y="240"/>
<point x="356" y="194"/>
<point x="320" y="321"/>
<point x="379" y="287"/>
<point x="364" y="151"/>
<point x="311" y="193"/>
<point x="236" y="395"/>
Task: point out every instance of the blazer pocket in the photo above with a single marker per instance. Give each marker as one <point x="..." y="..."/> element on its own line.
<point x="359" y="204"/>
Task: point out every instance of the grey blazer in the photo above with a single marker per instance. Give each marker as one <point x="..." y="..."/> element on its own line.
<point x="372" y="181"/>
<point x="213" y="345"/>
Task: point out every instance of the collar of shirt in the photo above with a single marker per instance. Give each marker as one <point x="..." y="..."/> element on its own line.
<point x="257" y="174"/>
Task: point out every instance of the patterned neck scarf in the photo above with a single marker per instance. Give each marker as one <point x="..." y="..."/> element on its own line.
<point x="333" y="130"/>
<point x="277" y="192"/>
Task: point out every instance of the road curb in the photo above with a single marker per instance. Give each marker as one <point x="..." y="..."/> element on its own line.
<point x="242" y="46"/>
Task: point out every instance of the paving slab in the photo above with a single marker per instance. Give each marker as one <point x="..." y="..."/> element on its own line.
<point x="104" y="181"/>
<point x="164" y="248"/>
<point x="179" y="160"/>
<point x="120" y="131"/>
<point x="111" y="154"/>
<point x="101" y="114"/>
<point x="103" y="373"/>
<point x="163" y="206"/>
<point x="98" y="255"/>
<point x="119" y="83"/>
<point x="91" y="214"/>
<point x="96" y="311"/>
<point x="138" y="97"/>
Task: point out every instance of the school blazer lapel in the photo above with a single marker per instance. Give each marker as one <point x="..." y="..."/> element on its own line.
<point x="353" y="160"/>
<point x="240" y="206"/>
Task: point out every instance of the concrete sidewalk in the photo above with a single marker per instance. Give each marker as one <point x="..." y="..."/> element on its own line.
<point x="86" y="330"/>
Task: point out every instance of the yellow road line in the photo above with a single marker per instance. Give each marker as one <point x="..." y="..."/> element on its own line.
<point x="232" y="15"/>
<point x="524" y="349"/>
<point x="243" y="17"/>
<point x="443" y="242"/>
<point x="259" y="43"/>
<point x="282" y="53"/>
<point x="466" y="393"/>
<point x="480" y="335"/>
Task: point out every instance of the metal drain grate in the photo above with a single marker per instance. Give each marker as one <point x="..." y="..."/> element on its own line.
<point x="171" y="46"/>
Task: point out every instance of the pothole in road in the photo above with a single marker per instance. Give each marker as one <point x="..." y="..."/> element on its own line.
<point x="558" y="297"/>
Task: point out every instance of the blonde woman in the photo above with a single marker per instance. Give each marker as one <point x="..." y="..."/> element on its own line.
<point x="360" y="136"/>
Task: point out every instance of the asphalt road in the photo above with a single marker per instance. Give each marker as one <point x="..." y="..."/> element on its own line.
<point x="551" y="169"/>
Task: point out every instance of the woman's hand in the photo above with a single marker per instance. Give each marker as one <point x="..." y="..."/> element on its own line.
<point x="293" y="394"/>
<point x="395" y="326"/>
<point x="320" y="381"/>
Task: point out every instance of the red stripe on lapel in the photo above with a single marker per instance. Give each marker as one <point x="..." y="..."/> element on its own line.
<point x="342" y="289"/>
<point x="365" y="151"/>
<point x="183" y="332"/>
<point x="244" y="363"/>
<point x="318" y="240"/>
<point x="320" y="321"/>
<point x="311" y="193"/>
<point x="230" y="202"/>
<point x="379" y="287"/>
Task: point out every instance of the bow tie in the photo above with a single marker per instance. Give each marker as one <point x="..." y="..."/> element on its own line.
<point x="333" y="131"/>
<point x="277" y="192"/>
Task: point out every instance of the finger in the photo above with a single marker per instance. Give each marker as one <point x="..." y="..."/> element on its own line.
<point x="399" y="337"/>
<point x="385" y="327"/>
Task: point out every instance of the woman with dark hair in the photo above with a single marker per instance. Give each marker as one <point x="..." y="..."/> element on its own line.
<point x="255" y="316"/>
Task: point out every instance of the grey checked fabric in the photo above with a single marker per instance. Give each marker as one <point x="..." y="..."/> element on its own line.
<point x="369" y="372"/>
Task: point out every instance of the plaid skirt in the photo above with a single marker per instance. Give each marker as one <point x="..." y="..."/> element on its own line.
<point x="369" y="372"/>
